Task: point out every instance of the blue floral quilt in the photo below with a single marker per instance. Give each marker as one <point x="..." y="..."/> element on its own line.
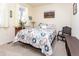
<point x="38" y="37"/>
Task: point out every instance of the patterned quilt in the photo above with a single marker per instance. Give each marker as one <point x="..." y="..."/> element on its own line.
<point x="39" y="38"/>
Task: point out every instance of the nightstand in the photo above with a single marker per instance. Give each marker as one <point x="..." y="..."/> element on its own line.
<point x="17" y="29"/>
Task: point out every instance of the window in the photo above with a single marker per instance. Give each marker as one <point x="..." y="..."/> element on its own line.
<point x="23" y="14"/>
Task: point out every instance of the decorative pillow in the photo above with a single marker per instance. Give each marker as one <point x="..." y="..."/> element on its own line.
<point x="43" y="26"/>
<point x="50" y="26"/>
<point x="46" y="26"/>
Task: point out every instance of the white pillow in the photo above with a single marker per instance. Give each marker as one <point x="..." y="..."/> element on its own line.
<point x="44" y="26"/>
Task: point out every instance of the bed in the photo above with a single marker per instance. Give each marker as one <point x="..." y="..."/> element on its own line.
<point x="39" y="37"/>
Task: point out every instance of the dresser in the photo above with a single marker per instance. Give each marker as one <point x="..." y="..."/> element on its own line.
<point x="17" y="29"/>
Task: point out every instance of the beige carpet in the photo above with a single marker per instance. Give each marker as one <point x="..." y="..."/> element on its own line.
<point x="20" y="49"/>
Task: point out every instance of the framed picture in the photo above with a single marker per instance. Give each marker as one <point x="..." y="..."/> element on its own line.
<point x="50" y="14"/>
<point x="74" y="8"/>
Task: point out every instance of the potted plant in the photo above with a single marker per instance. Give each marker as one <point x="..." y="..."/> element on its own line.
<point x="22" y="24"/>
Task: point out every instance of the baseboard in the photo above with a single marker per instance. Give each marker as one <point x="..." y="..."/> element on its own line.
<point x="8" y="42"/>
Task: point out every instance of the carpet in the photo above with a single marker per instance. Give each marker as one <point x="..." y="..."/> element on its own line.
<point x="20" y="49"/>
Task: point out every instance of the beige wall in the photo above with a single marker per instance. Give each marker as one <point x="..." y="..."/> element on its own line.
<point x="75" y="23"/>
<point x="62" y="14"/>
